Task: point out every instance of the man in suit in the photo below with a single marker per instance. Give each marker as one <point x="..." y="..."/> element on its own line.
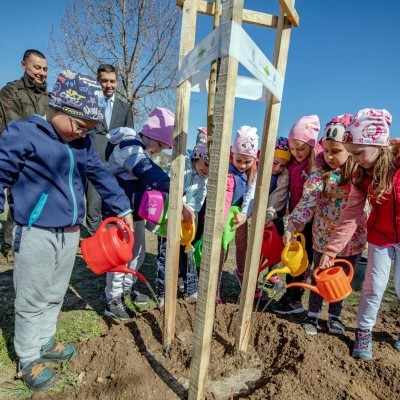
<point x="117" y="114"/>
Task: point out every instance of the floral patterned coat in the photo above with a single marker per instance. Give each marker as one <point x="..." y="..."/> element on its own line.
<point x="326" y="208"/>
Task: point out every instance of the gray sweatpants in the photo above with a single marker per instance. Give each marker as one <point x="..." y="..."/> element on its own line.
<point x="118" y="282"/>
<point x="376" y="279"/>
<point x="43" y="262"/>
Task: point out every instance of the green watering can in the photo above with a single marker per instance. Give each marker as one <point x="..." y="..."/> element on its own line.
<point x="227" y="235"/>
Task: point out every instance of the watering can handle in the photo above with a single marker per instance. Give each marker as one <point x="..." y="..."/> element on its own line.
<point x="349" y="264"/>
<point x="120" y="225"/>
<point x="339" y="260"/>
<point x="302" y="239"/>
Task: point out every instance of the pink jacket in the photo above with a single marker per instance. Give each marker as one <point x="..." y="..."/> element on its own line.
<point x="383" y="226"/>
<point x="297" y="178"/>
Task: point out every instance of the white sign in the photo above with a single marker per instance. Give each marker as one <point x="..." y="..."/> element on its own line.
<point x="230" y="39"/>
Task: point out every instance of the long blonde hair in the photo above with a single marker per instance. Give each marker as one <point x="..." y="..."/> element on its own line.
<point x="382" y="173"/>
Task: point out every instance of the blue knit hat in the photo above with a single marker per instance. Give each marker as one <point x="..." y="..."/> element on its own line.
<point x="78" y="96"/>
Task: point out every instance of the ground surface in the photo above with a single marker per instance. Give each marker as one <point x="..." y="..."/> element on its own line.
<point x="125" y="361"/>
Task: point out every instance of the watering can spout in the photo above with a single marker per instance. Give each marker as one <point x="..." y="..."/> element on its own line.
<point x="283" y="270"/>
<point x="305" y="286"/>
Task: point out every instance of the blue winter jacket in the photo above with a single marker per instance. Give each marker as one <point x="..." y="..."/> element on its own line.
<point x="47" y="177"/>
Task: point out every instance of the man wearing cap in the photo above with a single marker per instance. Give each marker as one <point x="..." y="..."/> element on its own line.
<point x="117" y="114"/>
<point x="45" y="162"/>
<point x="19" y="100"/>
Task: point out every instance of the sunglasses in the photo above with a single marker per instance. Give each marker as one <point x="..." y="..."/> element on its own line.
<point x="80" y="130"/>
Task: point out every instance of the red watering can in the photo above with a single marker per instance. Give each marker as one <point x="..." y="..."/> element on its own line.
<point x="332" y="283"/>
<point x="271" y="248"/>
<point x="110" y="248"/>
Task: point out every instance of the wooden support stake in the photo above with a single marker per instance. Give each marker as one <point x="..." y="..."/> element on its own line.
<point x="289" y="10"/>
<point x="249" y="16"/>
<point x="212" y="82"/>
<point x="219" y="155"/>
<point x="177" y="175"/>
<point x="261" y="195"/>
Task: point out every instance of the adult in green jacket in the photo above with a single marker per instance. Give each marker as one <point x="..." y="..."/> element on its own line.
<point x="19" y="100"/>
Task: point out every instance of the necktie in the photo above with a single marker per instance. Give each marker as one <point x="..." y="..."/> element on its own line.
<point x="108" y="111"/>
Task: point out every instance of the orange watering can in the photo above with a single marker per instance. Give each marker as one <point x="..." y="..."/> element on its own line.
<point x="110" y="248"/>
<point x="332" y="283"/>
<point x="294" y="258"/>
<point x="188" y="231"/>
<point x="271" y="249"/>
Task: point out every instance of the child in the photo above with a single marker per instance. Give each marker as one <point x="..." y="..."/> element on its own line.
<point x="302" y="143"/>
<point x="324" y="197"/>
<point x="128" y="155"/>
<point x="278" y="193"/>
<point x="376" y="177"/>
<point x="45" y="162"/>
<point x="195" y="190"/>
<point x="240" y="192"/>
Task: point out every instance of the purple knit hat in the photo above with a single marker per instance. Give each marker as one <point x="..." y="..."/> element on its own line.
<point x="78" y="96"/>
<point x="200" y="149"/>
<point x="369" y="126"/>
<point x="160" y="126"/>
<point x="306" y="129"/>
<point x="335" y="129"/>
<point x="246" y="141"/>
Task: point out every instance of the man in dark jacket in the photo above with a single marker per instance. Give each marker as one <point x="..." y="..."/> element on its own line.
<point x="117" y="114"/>
<point x="19" y="100"/>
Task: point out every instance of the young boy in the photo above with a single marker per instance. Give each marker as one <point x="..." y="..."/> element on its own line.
<point x="45" y="162"/>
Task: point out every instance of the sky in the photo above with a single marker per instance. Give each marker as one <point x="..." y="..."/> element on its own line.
<point x="343" y="57"/>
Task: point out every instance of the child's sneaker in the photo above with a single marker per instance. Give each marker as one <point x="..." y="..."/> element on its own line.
<point x="36" y="375"/>
<point x="363" y="345"/>
<point x="192" y="298"/>
<point x="56" y="352"/>
<point x="161" y="302"/>
<point x="396" y="344"/>
<point x="117" y="309"/>
<point x="288" y="307"/>
<point x="335" y="325"/>
<point x="139" y="299"/>
<point x="181" y="285"/>
<point x="310" y="325"/>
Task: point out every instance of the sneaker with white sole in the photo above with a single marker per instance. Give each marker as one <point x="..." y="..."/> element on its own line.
<point x="310" y="325"/>
<point x="335" y="326"/>
<point x="117" y="309"/>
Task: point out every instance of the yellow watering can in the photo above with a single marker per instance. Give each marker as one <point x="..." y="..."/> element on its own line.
<point x="294" y="258"/>
<point x="188" y="231"/>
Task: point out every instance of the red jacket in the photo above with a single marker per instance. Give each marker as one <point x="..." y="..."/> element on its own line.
<point x="383" y="225"/>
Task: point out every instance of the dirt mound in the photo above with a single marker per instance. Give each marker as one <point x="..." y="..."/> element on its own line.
<point x="282" y="363"/>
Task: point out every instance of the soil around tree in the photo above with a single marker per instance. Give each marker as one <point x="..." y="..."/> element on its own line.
<point x="281" y="362"/>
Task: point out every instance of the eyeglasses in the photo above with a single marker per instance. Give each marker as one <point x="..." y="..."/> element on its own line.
<point x="80" y="130"/>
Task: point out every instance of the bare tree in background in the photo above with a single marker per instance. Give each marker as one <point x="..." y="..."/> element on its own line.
<point x="139" y="37"/>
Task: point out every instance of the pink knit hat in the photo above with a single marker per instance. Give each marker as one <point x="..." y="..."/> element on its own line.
<point x="335" y="129"/>
<point x="369" y="126"/>
<point x="160" y="126"/>
<point x="246" y="141"/>
<point x="200" y="149"/>
<point x="306" y="129"/>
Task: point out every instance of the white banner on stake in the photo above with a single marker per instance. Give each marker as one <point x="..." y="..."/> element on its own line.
<point x="230" y="39"/>
<point x="246" y="87"/>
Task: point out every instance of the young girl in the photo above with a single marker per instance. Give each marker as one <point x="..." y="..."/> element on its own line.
<point x="302" y="143"/>
<point x="376" y="177"/>
<point x="324" y="197"/>
<point x="240" y="191"/>
<point x="128" y="155"/>
<point x="195" y="187"/>
<point x="278" y="193"/>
